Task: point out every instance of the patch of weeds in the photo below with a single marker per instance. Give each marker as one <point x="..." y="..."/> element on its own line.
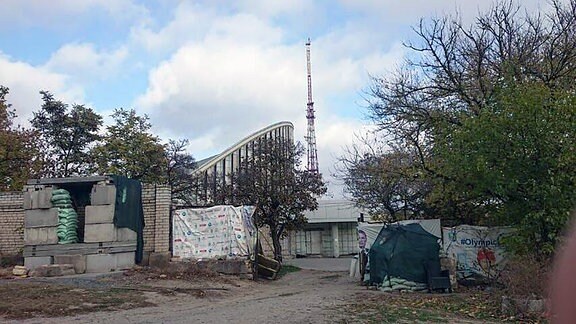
<point x="427" y="308"/>
<point x="287" y="269"/>
<point x="26" y="300"/>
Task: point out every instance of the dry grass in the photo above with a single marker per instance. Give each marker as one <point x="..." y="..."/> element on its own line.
<point x="26" y="300"/>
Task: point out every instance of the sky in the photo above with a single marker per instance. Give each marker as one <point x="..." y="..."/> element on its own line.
<point x="215" y="71"/>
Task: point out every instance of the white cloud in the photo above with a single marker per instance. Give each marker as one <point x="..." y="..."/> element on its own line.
<point x="238" y="87"/>
<point x="240" y="76"/>
<point x="85" y="63"/>
<point x="25" y="81"/>
<point x="411" y="11"/>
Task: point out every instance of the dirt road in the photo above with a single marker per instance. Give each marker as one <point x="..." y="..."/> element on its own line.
<point x="306" y="296"/>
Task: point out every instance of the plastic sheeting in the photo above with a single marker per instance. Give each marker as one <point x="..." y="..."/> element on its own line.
<point x="477" y="250"/>
<point x="431" y="226"/>
<point x="215" y="232"/>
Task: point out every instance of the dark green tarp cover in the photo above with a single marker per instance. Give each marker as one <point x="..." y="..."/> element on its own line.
<point x="128" y="210"/>
<point x="402" y="251"/>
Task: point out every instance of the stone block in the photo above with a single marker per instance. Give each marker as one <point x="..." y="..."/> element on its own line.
<point x="53" y="270"/>
<point x="34" y="262"/>
<point x="125" y="260"/>
<point x="99" y="214"/>
<point x="40" y="236"/>
<point x="77" y="260"/>
<point x="94" y="233"/>
<point x="103" y="195"/>
<point x="27" y="200"/>
<point x="125" y="234"/>
<point x="99" y="263"/>
<point x="20" y="271"/>
<point x="38" y="199"/>
<point x="41" y="217"/>
<point x="159" y="259"/>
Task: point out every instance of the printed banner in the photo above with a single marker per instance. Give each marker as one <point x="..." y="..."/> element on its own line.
<point x="221" y="231"/>
<point x="477" y="250"/>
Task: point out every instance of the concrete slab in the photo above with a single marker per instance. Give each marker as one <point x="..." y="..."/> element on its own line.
<point x="34" y="262"/>
<point x="125" y="260"/>
<point x="38" y="199"/>
<point x="125" y="234"/>
<point x="94" y="233"/>
<point x="100" y="263"/>
<point x="41" y="217"/>
<point x="53" y="270"/>
<point x="99" y="214"/>
<point x="77" y="260"/>
<point x="103" y="195"/>
<point x="40" y="236"/>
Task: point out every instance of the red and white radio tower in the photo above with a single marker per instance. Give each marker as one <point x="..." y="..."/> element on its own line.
<point x="311" y="136"/>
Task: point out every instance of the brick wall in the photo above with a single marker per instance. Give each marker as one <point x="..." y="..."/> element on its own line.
<point x="11" y="222"/>
<point x="156" y="202"/>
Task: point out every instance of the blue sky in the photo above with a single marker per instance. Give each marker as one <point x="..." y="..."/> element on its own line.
<point x="213" y="71"/>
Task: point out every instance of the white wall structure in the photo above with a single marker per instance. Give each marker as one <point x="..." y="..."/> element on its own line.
<point x="218" y="171"/>
<point x="331" y="231"/>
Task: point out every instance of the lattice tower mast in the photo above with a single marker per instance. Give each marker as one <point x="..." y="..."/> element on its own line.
<point x="311" y="136"/>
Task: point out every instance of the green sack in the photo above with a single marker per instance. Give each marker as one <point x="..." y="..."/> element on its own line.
<point x="60" y="192"/>
<point x="60" y="197"/>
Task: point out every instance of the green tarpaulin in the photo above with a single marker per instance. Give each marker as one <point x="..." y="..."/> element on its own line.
<point x="402" y="251"/>
<point x="128" y="209"/>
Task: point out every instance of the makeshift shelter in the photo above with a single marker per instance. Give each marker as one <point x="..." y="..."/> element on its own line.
<point x="401" y="252"/>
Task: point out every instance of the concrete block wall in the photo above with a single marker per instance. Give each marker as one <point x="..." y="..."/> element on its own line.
<point x="156" y="203"/>
<point x="11" y="222"/>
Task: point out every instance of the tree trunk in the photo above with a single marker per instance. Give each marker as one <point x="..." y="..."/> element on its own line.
<point x="276" y="244"/>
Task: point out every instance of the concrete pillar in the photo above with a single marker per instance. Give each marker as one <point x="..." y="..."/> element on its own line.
<point x="335" y="243"/>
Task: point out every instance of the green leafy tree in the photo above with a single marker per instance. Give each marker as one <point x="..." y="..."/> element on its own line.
<point x="271" y="180"/>
<point x="18" y="152"/>
<point x="129" y="149"/>
<point x="460" y="81"/>
<point x="516" y="161"/>
<point x="65" y="136"/>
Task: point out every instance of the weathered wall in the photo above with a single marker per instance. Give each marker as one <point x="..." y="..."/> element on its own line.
<point x="11" y="222"/>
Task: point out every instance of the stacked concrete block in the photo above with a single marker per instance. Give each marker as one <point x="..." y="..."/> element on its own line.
<point x="125" y="234"/>
<point x="40" y="219"/>
<point x="35" y="261"/>
<point x="99" y="227"/>
<point x="95" y="233"/>
<point x="103" y="194"/>
<point x="100" y="263"/>
<point x="99" y="219"/>
<point x="40" y="235"/>
<point x="77" y="260"/>
<point x="38" y="199"/>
